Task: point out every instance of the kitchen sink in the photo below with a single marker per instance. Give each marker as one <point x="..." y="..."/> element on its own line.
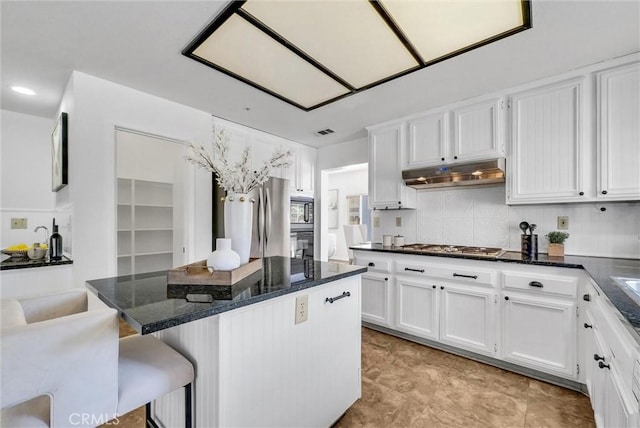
<point x="630" y="285"/>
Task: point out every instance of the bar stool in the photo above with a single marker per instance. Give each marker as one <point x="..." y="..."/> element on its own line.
<point x="148" y="369"/>
<point x="62" y="364"/>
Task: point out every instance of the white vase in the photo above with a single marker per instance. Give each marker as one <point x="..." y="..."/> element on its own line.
<point x="223" y="258"/>
<point x="238" y="221"/>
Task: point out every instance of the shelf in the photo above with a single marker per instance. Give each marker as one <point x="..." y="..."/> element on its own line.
<point x="156" y="253"/>
<point x="153" y="205"/>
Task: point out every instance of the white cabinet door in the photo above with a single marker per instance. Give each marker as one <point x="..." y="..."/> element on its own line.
<point x="618" y="110"/>
<point x="336" y="349"/>
<point x="417" y="307"/>
<point x="547" y="144"/>
<point x="428" y="140"/>
<point x="588" y="349"/>
<point x="376" y="298"/>
<point x="477" y="131"/>
<point x="305" y="171"/>
<point x="467" y="317"/>
<point x="301" y="173"/>
<point x="386" y="189"/>
<point x="539" y="332"/>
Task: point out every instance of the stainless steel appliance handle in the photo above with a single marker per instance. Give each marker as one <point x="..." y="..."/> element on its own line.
<point x="260" y="219"/>
<point x="306" y="213"/>
<point x="267" y="227"/>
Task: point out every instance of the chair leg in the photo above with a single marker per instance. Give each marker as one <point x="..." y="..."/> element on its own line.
<point x="188" y="421"/>
<point x="150" y="422"/>
<point x="188" y="406"/>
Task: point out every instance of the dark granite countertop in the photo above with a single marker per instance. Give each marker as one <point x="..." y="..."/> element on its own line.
<point x="601" y="269"/>
<point x="25" y="263"/>
<point x="149" y="304"/>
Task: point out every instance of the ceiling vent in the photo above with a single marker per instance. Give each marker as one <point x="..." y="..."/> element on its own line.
<point x="324" y="132"/>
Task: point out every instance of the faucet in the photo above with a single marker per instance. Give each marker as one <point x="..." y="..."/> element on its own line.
<point x="46" y="233"/>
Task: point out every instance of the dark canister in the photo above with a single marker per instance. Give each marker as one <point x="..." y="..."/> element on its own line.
<point x="529" y="245"/>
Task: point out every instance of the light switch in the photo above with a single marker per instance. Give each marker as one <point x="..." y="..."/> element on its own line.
<point x="563" y="222"/>
<point x="18" y="223"/>
<point x="376" y="222"/>
<point x="398" y="221"/>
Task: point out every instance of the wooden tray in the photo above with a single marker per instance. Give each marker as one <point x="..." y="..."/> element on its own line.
<point x="198" y="274"/>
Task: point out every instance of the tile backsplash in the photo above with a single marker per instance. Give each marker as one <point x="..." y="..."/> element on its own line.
<point x="480" y="217"/>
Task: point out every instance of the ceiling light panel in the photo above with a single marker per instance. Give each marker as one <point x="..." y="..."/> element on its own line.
<point x="245" y="51"/>
<point x="440" y="28"/>
<point x="349" y="38"/>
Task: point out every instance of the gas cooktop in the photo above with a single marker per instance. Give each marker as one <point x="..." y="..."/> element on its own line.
<point x="454" y="249"/>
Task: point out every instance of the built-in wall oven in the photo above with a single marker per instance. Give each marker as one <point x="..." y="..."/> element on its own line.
<point x="301" y="216"/>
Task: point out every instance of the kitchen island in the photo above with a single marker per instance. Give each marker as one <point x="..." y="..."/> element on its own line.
<point x="255" y="366"/>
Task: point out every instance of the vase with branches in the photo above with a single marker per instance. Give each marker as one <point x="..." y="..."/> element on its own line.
<point x="237" y="179"/>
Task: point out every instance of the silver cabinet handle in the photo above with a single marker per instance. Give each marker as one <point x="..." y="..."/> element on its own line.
<point x="333" y="299"/>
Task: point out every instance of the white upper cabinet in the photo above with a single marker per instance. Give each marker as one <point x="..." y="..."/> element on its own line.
<point x="478" y="130"/>
<point x="386" y="188"/>
<point x="618" y="133"/>
<point x="546" y="162"/>
<point x="301" y="173"/>
<point x="457" y="133"/>
<point x="428" y="140"/>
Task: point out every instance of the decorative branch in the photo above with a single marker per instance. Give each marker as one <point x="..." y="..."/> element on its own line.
<point x="235" y="177"/>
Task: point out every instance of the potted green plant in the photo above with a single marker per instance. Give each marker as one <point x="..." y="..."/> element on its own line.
<point x="556" y="243"/>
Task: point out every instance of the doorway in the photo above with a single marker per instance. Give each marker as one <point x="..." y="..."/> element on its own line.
<point x="150" y="214"/>
<point x="346" y="204"/>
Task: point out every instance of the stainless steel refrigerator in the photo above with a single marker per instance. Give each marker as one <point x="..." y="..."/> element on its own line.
<point x="271" y="234"/>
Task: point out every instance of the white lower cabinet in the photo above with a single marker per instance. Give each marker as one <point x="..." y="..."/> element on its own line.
<point x="417" y="307"/>
<point x="376" y="298"/>
<point x="539" y="332"/>
<point x="467" y="317"/>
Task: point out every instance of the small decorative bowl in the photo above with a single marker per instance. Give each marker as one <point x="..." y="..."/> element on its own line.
<point x="36" y="253"/>
<point x="15" y="253"/>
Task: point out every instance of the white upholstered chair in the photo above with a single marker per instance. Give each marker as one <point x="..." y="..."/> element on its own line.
<point x="63" y="365"/>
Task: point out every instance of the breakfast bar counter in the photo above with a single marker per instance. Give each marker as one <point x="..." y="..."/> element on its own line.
<point x="280" y="347"/>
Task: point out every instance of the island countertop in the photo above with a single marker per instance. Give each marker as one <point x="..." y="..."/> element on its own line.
<point x="149" y="304"/>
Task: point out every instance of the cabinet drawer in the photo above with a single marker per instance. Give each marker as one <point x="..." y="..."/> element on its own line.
<point x="373" y="263"/>
<point x="451" y="273"/>
<point x="541" y="284"/>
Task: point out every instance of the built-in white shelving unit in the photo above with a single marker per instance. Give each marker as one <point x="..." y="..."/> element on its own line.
<point x="145" y="226"/>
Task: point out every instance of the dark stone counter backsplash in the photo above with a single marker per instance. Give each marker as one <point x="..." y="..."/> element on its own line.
<point x="601" y="269"/>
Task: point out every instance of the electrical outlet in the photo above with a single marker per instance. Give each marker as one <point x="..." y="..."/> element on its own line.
<point x="18" y="223"/>
<point x="563" y="222"/>
<point x="376" y="222"/>
<point x="398" y="221"/>
<point x="302" y="308"/>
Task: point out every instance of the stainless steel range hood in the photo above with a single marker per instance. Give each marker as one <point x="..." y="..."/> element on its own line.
<point x="465" y="174"/>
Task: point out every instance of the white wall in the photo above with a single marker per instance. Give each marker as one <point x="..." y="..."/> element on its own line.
<point x="480" y="217"/>
<point x="349" y="182"/>
<point x="95" y="108"/>
<point x="25" y="189"/>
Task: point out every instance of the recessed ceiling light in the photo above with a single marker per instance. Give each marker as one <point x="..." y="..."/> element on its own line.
<point x="22" y="90"/>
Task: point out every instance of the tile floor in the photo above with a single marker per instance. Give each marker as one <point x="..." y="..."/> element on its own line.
<point x="409" y="385"/>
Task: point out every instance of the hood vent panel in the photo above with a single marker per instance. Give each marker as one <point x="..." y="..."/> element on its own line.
<point x="463" y="175"/>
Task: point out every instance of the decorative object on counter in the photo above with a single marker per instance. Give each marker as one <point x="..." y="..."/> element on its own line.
<point x="55" y="243"/>
<point x="37" y="251"/>
<point x="198" y="274"/>
<point x="223" y="258"/>
<point x="529" y="245"/>
<point x="237" y="179"/>
<point x="398" y="241"/>
<point x="16" y="251"/>
<point x="59" y="154"/>
<point x="238" y="222"/>
<point x="387" y="240"/>
<point x="556" y="243"/>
